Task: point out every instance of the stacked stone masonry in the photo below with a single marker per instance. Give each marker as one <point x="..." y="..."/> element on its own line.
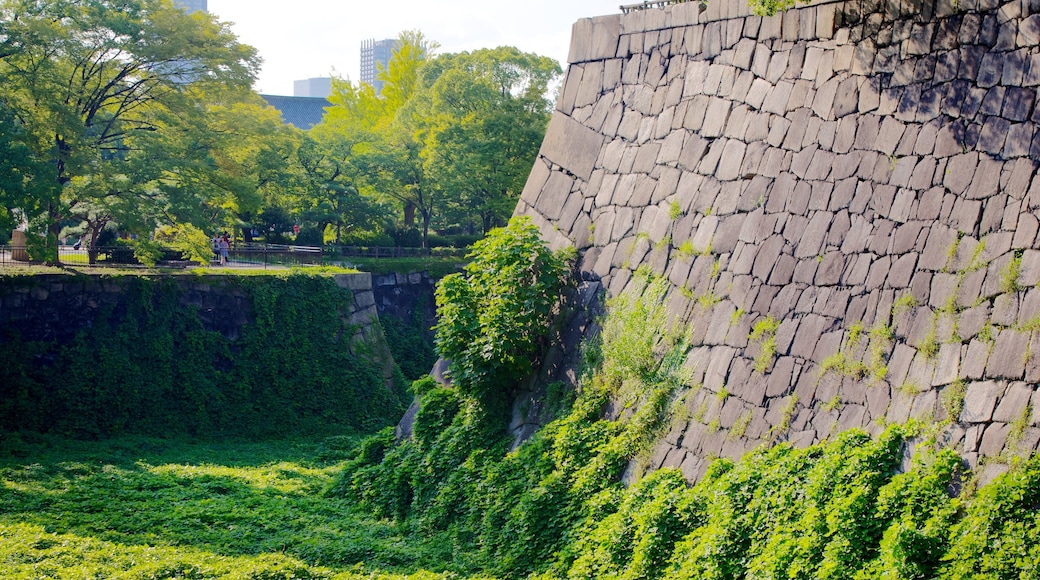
<point x="860" y="177"/>
<point x="55" y="307"/>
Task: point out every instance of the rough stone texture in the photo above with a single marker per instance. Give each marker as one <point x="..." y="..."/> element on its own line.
<point x="864" y="173"/>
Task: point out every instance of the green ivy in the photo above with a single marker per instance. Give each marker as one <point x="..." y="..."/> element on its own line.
<point x="147" y="365"/>
<point x="407" y="339"/>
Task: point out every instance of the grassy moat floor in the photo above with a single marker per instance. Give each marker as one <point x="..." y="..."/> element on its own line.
<point x="149" y="508"/>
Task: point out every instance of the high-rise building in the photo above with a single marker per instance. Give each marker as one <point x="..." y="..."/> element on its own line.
<point x="320" y="87"/>
<point x="191" y="5"/>
<point x="375" y="53"/>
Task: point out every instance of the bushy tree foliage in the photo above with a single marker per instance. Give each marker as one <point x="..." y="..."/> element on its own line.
<point x="493" y="318"/>
<point x="484" y="115"/>
<point x="95" y="81"/>
<point x="452" y="137"/>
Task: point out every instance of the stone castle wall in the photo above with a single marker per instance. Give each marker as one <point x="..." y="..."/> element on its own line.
<point x="854" y="180"/>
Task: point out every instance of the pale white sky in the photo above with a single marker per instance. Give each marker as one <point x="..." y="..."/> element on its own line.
<point x="300" y="39"/>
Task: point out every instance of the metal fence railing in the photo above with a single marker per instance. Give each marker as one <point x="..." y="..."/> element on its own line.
<point x="627" y="8"/>
<point x="397" y="252"/>
<point x="263" y="255"/>
<point x="239" y="255"/>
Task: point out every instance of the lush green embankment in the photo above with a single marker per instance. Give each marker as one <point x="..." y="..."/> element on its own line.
<point x="146" y="364"/>
<point x="453" y="499"/>
<point x="556" y="507"/>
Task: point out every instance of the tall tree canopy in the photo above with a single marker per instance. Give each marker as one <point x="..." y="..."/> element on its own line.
<point x="485" y="115"/>
<point x="452" y="137"/>
<point x="95" y="81"/>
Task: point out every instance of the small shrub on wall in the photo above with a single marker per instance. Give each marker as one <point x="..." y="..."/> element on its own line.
<point x="493" y="317"/>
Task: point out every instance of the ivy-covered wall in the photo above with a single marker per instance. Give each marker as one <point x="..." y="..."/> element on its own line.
<point x="98" y="355"/>
<point x="407" y="313"/>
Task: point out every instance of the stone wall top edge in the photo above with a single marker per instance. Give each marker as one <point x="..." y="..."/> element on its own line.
<point x="693" y="12"/>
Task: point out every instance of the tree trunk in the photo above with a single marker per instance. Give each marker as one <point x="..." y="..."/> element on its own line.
<point x="94" y="229"/>
<point x="53" y="229"/>
<point x="426" y="217"/>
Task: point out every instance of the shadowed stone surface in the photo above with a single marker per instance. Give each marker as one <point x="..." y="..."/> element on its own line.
<point x="864" y="173"/>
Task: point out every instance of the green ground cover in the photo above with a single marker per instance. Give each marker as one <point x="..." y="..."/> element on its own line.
<point x="136" y="507"/>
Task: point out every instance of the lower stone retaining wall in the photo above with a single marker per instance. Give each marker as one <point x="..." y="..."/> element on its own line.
<point x="54" y="307"/>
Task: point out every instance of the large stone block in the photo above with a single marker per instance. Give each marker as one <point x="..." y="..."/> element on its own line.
<point x="980" y="400"/>
<point x="355" y="282"/>
<point x="595" y="38"/>
<point x="571" y="145"/>
<point x="1008" y="359"/>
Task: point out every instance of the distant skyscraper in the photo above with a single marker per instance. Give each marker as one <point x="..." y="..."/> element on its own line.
<point x="320" y="87"/>
<point x="191" y="5"/>
<point x="374" y="53"/>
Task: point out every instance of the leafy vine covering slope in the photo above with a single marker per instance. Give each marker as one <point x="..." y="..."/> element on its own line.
<point x="559" y="506"/>
<point x="275" y="356"/>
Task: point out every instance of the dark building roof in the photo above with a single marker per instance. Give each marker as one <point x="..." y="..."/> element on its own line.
<point x="300" y="112"/>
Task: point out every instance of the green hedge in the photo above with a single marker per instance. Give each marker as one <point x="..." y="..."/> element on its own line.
<point x="148" y="366"/>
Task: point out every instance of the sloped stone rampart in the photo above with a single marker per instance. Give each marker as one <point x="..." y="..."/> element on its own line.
<point x="860" y="176"/>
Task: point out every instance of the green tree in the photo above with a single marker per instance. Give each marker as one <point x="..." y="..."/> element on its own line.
<point x="384" y="140"/>
<point x="493" y="318"/>
<point x="248" y="162"/>
<point x="24" y="177"/>
<point x="399" y="159"/>
<point x="485" y="116"/>
<point x="335" y="186"/>
<point x="90" y="79"/>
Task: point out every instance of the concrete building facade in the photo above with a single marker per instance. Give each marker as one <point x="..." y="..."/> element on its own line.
<point x="373" y="54"/>
<point x="317" y="87"/>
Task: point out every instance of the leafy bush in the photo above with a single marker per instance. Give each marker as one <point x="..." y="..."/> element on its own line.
<point x="453" y="241"/>
<point x="310" y="235"/>
<point x="493" y="318"/>
<point x="997" y="536"/>
<point x="368" y="238"/>
<point x="191" y="242"/>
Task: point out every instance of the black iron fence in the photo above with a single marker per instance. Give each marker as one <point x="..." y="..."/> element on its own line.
<point x="626" y="8"/>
